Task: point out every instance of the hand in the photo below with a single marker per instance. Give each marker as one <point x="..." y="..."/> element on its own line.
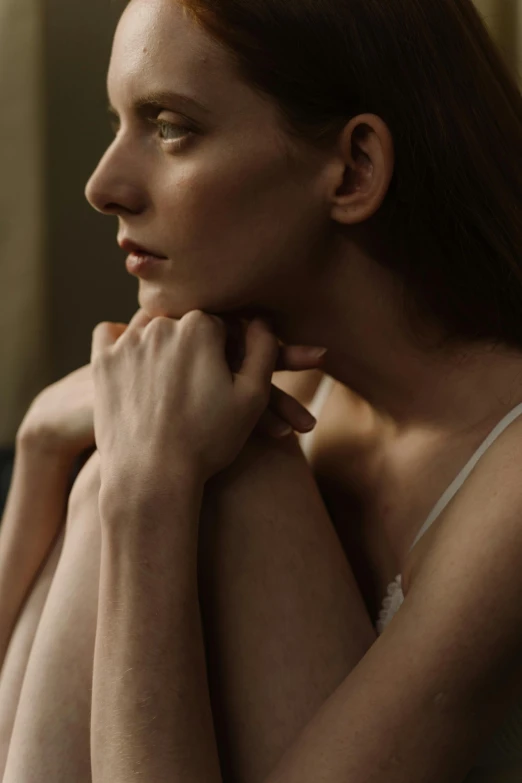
<point x="166" y="399"/>
<point x="284" y="413"/>
<point x="60" y="419"/>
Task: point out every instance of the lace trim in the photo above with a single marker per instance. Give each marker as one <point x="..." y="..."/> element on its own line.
<point x="391" y="604"/>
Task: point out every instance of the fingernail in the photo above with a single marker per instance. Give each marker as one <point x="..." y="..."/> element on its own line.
<point x="317" y="353"/>
<point x="282" y="430"/>
<point x="307" y="419"/>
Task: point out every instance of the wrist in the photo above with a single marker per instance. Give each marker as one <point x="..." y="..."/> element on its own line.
<point x="148" y="493"/>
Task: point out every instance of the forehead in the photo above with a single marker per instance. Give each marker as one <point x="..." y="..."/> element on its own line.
<point x="156" y="45"/>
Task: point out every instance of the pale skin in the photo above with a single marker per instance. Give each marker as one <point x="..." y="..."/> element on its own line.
<point x="329" y="306"/>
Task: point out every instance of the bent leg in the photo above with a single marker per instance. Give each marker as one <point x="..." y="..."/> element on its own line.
<point x="282" y="616"/>
<point x="284" y="619"/>
<point x="19" y="649"/>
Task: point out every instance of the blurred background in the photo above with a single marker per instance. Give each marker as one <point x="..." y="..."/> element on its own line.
<point x="61" y="271"/>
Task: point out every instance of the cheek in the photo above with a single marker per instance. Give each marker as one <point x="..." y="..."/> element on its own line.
<point x="239" y="214"/>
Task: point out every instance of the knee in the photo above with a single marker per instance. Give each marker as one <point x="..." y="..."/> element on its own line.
<point x="264" y="463"/>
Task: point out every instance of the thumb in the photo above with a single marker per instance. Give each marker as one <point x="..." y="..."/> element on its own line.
<point x="118" y="329"/>
<point x="108" y="332"/>
<point x="109" y="335"/>
<point x="139" y="320"/>
<point x="104" y="335"/>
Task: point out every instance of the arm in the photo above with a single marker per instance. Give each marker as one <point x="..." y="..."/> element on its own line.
<point x="151" y="713"/>
<point x="34" y="513"/>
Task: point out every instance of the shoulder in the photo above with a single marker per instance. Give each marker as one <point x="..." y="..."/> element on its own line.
<point x="301" y="385"/>
<point x="482" y="525"/>
<point x="447" y="667"/>
<point x="348" y="441"/>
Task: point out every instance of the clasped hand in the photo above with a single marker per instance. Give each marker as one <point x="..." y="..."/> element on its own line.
<point x="166" y="400"/>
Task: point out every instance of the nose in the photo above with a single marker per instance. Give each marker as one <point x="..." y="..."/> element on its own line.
<point x="113" y="188"/>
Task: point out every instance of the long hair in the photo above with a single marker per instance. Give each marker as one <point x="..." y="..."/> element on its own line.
<point x="450" y="227"/>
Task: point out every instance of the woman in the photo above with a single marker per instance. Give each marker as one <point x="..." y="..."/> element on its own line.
<point x="348" y="172"/>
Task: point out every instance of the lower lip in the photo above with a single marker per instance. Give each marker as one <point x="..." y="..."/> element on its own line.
<point x="137" y="264"/>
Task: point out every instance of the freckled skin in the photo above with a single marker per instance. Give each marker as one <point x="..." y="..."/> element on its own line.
<point x="239" y="223"/>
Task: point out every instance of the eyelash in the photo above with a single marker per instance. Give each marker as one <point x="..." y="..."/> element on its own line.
<point x="115" y="125"/>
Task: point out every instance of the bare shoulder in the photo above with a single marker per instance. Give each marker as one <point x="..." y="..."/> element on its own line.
<point x="347" y="440"/>
<point x="481" y="528"/>
<point x="301" y="385"/>
<point x="446" y="670"/>
<point x="344" y="415"/>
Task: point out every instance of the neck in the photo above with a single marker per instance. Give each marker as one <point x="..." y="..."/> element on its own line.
<point x="357" y="315"/>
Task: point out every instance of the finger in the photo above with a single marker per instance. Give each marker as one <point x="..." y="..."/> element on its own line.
<point x="300" y="357"/>
<point x="291" y="411"/>
<point x="139" y="320"/>
<point x="235" y="345"/>
<point x="119" y="329"/>
<point x="215" y="345"/>
<point x="102" y="338"/>
<point x="272" y="425"/>
<point x="106" y="334"/>
<point x="261" y="352"/>
<point x="211" y="335"/>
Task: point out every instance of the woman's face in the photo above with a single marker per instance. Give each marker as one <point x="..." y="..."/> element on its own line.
<point x="214" y="188"/>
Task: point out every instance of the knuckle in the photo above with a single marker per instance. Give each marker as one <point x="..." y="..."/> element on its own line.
<point x="158" y="325"/>
<point x="194" y="317"/>
<point x="161" y="322"/>
<point x="101" y="327"/>
<point x="157" y="331"/>
<point x="197" y="321"/>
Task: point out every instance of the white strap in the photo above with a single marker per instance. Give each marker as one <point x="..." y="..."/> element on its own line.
<point x="464" y="473"/>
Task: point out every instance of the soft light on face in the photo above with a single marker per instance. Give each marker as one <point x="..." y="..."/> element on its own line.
<point x="211" y="187"/>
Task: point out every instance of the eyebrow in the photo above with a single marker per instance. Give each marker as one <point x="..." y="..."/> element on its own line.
<point x="162" y="99"/>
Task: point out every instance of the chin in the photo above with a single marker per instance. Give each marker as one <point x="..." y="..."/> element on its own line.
<point x="158" y="303"/>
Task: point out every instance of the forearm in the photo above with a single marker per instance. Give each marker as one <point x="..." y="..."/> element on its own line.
<point x="34" y="513"/>
<point x="151" y="713"/>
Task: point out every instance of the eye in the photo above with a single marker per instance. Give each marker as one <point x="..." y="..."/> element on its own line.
<point x="165" y="129"/>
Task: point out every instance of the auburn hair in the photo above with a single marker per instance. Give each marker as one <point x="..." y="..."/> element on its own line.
<point x="450" y="227"/>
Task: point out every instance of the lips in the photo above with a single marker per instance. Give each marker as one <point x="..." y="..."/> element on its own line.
<point x="139" y="250"/>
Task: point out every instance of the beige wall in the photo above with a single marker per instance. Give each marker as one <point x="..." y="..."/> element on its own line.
<point x="55" y="281"/>
<point x="60" y="269"/>
<point x="23" y="322"/>
<point x="87" y="279"/>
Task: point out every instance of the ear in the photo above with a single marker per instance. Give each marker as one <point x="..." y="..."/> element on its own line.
<point x="365" y="165"/>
